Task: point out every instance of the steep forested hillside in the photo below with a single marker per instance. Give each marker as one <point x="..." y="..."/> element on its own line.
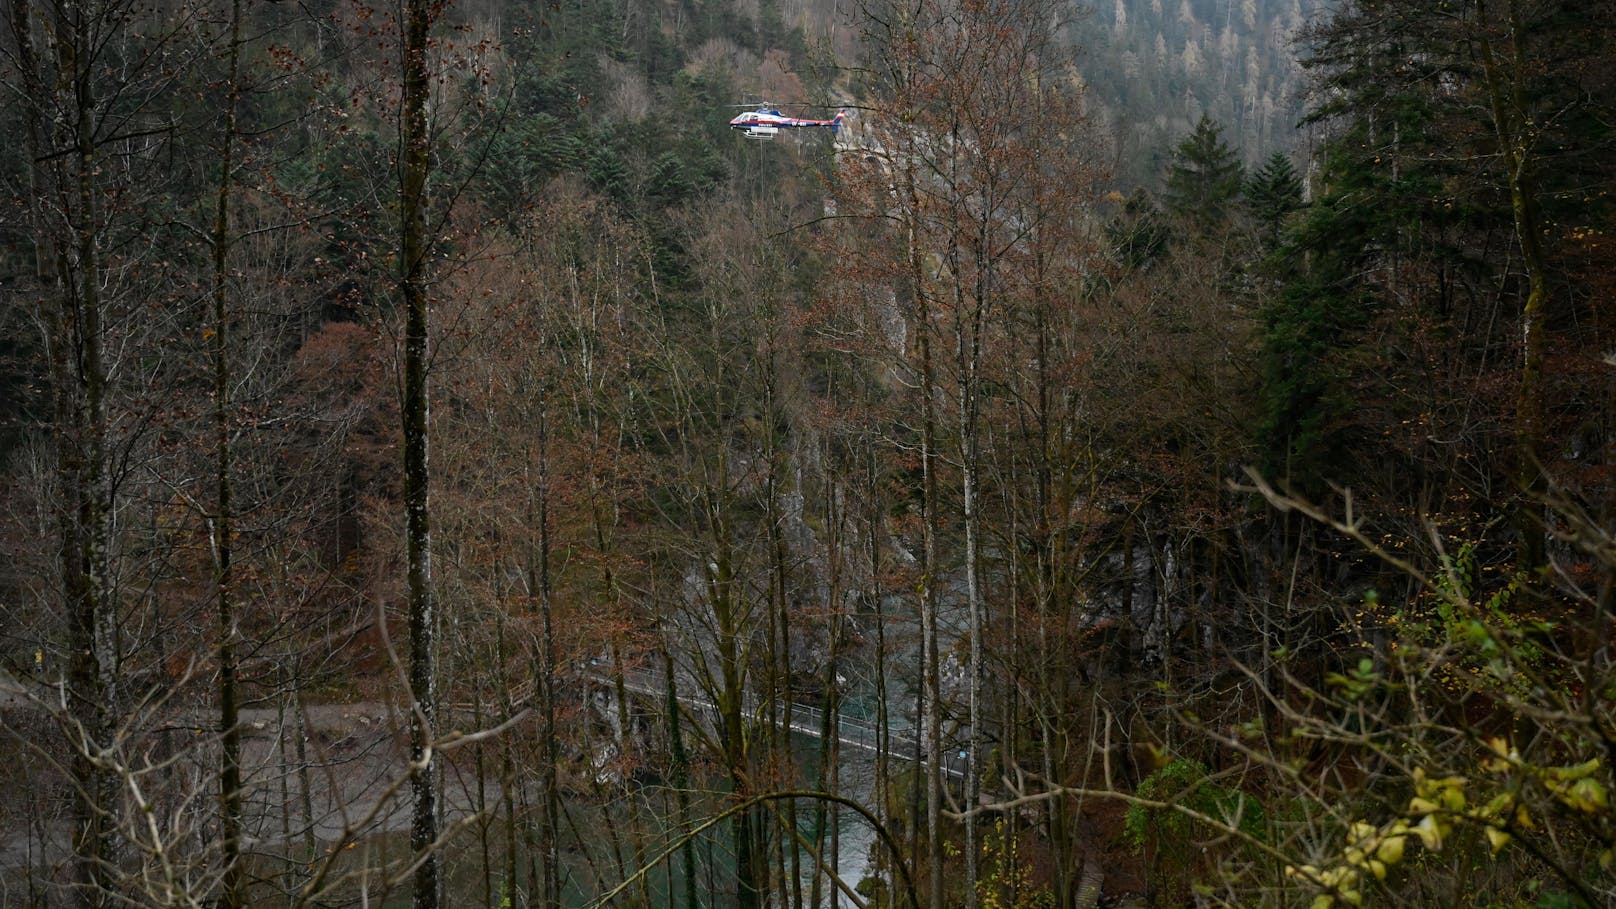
<point x="1154" y="67"/>
<point x="445" y="464"/>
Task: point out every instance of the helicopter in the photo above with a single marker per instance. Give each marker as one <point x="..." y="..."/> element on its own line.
<point x="765" y="121"/>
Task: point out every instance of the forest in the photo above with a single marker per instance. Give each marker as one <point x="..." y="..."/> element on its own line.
<point x="1160" y="454"/>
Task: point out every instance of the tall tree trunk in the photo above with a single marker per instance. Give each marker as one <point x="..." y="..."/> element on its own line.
<point x="829" y="753"/>
<point x="779" y="696"/>
<point x="1507" y="93"/>
<point x="969" y="351"/>
<point x="550" y="794"/>
<point x="681" y="784"/>
<point x="724" y="596"/>
<point x="930" y="714"/>
<point x="414" y="152"/>
<point x="884" y="857"/>
<point x="231" y="884"/>
<point x="508" y="774"/>
<point x="69" y="266"/>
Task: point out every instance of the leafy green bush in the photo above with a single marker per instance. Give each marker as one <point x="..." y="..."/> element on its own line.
<point x="1186" y="784"/>
<point x="1170" y="836"/>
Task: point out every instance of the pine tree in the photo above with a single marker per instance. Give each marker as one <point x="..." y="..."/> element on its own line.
<point x="1204" y="178"/>
<point x="1271" y="194"/>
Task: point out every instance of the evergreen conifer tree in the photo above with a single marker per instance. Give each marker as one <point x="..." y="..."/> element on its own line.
<point x="1271" y="194"/>
<point x="1204" y="178"/>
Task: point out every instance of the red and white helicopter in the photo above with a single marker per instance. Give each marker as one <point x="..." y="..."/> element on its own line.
<point x="764" y="122"/>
